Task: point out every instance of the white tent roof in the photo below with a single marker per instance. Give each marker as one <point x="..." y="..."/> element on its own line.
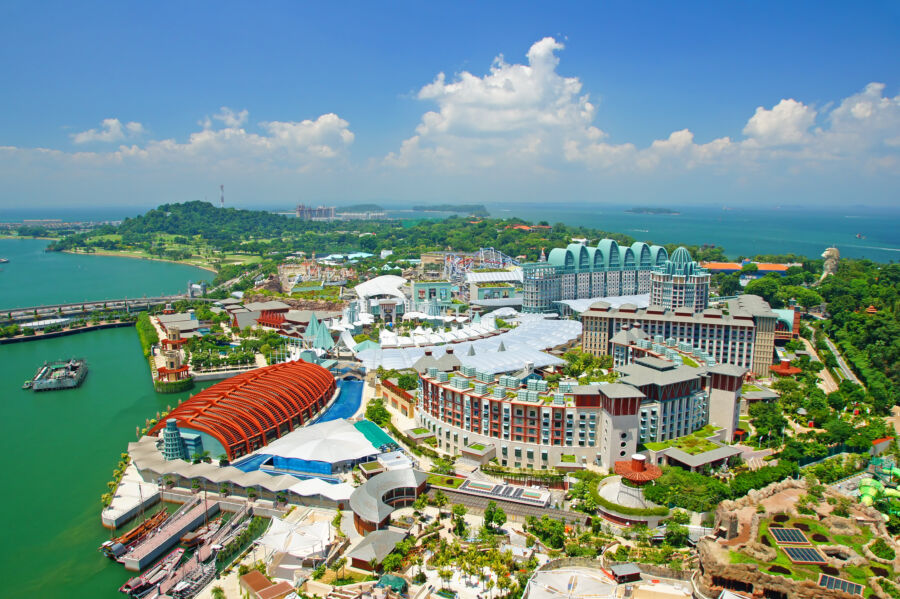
<point x="523" y="344"/>
<point x="383" y="285"/>
<point x="317" y="486"/>
<point x="334" y="441"/>
<point x="299" y="540"/>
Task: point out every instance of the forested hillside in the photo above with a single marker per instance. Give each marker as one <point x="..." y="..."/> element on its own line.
<point x="265" y="233"/>
<point x="870" y="342"/>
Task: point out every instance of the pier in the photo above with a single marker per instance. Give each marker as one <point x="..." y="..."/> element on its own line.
<point x="189" y="517"/>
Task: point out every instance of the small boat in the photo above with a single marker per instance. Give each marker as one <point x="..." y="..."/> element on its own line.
<point x="860" y="236"/>
<point x="201" y="535"/>
<point x="117" y="546"/>
<point x="145" y="583"/>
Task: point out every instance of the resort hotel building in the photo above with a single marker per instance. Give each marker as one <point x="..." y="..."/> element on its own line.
<point x="679" y="282"/>
<point x="533" y="426"/>
<point x="579" y="272"/>
<point x="743" y="335"/>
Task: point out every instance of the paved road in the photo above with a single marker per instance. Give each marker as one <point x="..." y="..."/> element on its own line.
<point x="826" y="383"/>
<point x="845" y="370"/>
<point x="79" y="308"/>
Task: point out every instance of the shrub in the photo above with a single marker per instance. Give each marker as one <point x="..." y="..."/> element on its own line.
<point x="882" y="550"/>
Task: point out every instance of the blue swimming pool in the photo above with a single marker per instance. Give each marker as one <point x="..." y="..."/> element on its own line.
<point x="347" y="402"/>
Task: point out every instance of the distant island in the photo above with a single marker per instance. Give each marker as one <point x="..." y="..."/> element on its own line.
<point x="640" y="210"/>
<point x="473" y="209"/>
<point x="359" y="208"/>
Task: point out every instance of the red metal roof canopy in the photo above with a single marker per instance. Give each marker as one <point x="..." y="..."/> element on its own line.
<point x="254" y="408"/>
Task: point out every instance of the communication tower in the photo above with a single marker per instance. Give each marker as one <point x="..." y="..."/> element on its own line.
<point x="222" y="197"/>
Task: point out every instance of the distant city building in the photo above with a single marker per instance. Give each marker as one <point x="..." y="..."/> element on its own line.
<point x="310" y="213"/>
<point x="579" y="271"/>
<point x="679" y="282"/>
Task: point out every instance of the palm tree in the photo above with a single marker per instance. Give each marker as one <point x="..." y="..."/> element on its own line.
<point x="339" y="567"/>
<point x="440" y="500"/>
<point x="218" y="592"/>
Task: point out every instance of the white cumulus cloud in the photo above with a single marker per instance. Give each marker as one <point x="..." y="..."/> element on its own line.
<point x="530" y="116"/>
<point x="514" y="113"/>
<point x="111" y="130"/>
<point x="788" y="122"/>
<point x="283" y="145"/>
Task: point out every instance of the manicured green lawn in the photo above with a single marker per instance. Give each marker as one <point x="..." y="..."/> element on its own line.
<point x="567" y="458"/>
<point x="477" y="446"/>
<point x="693" y="444"/>
<point x="443" y="480"/>
<point x="421" y="430"/>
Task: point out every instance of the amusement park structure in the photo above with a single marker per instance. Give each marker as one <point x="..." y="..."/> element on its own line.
<point x="456" y="265"/>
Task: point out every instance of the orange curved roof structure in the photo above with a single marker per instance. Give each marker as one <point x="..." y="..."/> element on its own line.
<point x="254" y="408"/>
<point x="637" y="471"/>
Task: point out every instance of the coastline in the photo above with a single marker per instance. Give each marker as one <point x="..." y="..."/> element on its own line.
<point x="119" y="255"/>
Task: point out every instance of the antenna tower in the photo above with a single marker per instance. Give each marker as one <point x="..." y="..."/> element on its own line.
<point x="222" y="198"/>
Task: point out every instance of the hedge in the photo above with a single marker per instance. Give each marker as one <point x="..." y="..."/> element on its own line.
<point x="146" y="333"/>
<point x="630" y="511"/>
<point x="174" y="386"/>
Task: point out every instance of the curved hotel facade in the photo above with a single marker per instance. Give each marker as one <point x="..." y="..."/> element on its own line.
<point x="579" y="272"/>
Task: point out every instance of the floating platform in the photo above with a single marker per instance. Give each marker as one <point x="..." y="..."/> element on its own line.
<point x="55" y="376"/>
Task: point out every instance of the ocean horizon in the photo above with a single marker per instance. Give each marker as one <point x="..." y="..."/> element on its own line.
<point x="857" y="231"/>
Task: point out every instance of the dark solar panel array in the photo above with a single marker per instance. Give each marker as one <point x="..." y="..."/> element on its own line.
<point x="804" y="555"/>
<point x="831" y="583"/>
<point x="787" y="536"/>
<point x="508" y="492"/>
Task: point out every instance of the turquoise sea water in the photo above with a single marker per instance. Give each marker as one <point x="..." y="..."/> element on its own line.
<point x="35" y="277"/>
<point x="60" y="449"/>
<point x="740" y="231"/>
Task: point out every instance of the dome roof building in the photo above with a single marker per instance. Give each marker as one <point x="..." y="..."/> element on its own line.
<point x="679" y="282"/>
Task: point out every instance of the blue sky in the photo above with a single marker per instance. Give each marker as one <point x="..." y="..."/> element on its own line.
<point x="653" y="103"/>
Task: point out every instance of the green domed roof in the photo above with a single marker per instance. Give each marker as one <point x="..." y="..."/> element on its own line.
<point x="681" y="257"/>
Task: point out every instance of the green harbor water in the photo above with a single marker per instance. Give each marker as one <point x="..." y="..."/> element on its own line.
<point x="34" y="277"/>
<point x="61" y="447"/>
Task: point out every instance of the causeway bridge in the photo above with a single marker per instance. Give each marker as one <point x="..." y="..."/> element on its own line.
<point x="86" y="307"/>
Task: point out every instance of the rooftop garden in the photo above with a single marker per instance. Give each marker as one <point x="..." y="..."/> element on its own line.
<point x="567" y="458"/>
<point x="445" y="480"/>
<point x="688" y="361"/>
<point x="370" y="466"/>
<point x="477" y="447"/>
<point x="421" y="430"/>
<point x="693" y="444"/>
